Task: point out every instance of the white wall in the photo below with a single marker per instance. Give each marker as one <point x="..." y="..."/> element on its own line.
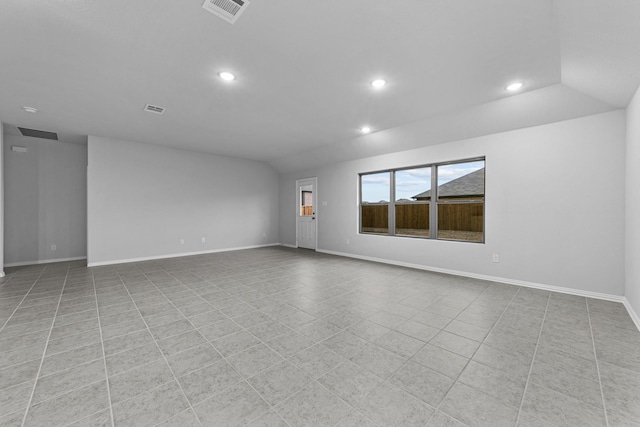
<point x="632" y="285"/>
<point x="1" y="199"/>
<point x="45" y="201"/>
<point x="554" y="206"/>
<point x="143" y="199"/>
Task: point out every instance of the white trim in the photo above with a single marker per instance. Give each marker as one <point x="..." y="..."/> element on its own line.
<point x="286" y="245"/>
<point x="178" y="255"/>
<point x="1" y="273"/>
<point x="632" y="312"/>
<point x="44" y="261"/>
<point x="571" y="291"/>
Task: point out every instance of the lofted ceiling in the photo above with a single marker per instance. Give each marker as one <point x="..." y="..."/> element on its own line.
<point x="303" y="71"/>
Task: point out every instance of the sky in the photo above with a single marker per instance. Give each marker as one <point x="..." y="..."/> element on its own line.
<point x="409" y="182"/>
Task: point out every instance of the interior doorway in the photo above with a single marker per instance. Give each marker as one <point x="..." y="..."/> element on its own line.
<point x="306" y="217"/>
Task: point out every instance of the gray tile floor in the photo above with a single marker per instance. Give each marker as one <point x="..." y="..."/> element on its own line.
<point x="279" y="337"/>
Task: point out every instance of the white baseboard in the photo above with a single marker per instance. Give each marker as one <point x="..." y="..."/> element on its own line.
<point x="552" y="288"/>
<point x="1" y="273"/>
<point x="43" y="261"/>
<point x="632" y="312"/>
<point x="578" y="292"/>
<point x="178" y="255"/>
<point x="286" y="245"/>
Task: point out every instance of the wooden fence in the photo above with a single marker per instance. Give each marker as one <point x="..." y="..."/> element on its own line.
<point x="306" y="210"/>
<point x="460" y="216"/>
<point x="412" y="217"/>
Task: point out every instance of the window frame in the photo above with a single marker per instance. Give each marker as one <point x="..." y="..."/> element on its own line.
<point x="433" y="202"/>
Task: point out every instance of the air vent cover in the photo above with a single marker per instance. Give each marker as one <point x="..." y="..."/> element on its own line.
<point x="229" y="10"/>
<point x="154" y="109"/>
<point x="38" y="133"/>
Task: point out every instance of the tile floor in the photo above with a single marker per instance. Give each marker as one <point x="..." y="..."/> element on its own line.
<point x="279" y="337"/>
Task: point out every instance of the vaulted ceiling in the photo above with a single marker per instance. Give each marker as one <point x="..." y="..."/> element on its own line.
<point x="304" y="70"/>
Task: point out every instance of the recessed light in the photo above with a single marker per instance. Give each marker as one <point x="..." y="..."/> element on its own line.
<point x="30" y="109"/>
<point x="514" y="87"/>
<point x="365" y="129"/>
<point x="225" y="75"/>
<point x="378" y="83"/>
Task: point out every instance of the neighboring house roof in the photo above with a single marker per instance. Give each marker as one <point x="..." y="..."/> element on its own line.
<point x="468" y="185"/>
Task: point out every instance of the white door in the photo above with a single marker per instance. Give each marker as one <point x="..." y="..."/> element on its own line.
<point x="306" y="213"/>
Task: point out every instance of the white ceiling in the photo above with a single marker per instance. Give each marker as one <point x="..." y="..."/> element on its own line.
<point x="304" y="69"/>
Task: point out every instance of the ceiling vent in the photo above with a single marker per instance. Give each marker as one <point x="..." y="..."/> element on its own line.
<point x="34" y="133"/>
<point x="229" y="10"/>
<point x="154" y="109"/>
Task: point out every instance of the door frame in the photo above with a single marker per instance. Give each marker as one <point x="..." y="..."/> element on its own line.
<point x="314" y="182"/>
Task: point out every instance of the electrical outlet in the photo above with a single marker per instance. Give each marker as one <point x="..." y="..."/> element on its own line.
<point x="53" y="247"/>
<point x="348" y="242"/>
<point x="204" y="240"/>
<point x="496" y="258"/>
<point x="264" y="235"/>
<point x="182" y="241"/>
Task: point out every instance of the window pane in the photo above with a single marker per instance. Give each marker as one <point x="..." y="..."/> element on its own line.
<point x="376" y="188"/>
<point x="375" y="218"/>
<point x="306" y="200"/>
<point x="413" y="184"/>
<point x="461" y="181"/>
<point x="412" y="219"/>
<point x="461" y="221"/>
<point x="376" y="193"/>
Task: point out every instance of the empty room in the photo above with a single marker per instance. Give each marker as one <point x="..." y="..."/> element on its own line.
<point x="293" y="213"/>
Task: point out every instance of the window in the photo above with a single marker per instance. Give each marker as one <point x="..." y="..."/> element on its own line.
<point x="461" y="201"/>
<point x="306" y="200"/>
<point x="400" y="202"/>
<point x="411" y="214"/>
<point x="374" y="202"/>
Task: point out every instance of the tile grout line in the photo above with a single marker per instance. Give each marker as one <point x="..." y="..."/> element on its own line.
<point x="408" y="359"/>
<point x="72" y="390"/>
<point x="273" y="407"/>
<point x="158" y="347"/>
<point x="46" y="344"/>
<point x="352" y="407"/>
<point x="104" y="356"/>
<point x="346" y="330"/>
<point x="437" y="409"/>
<point x="533" y="360"/>
<point x="68" y="369"/>
<point x="382" y="380"/>
<point x="22" y="300"/>
<point x="385" y="380"/>
<point x="55" y="316"/>
<point x="595" y="355"/>
<point x="164" y="422"/>
<point x="284" y="359"/>
<point x="287" y="294"/>
<point x="207" y="339"/>
<point x="243" y="379"/>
